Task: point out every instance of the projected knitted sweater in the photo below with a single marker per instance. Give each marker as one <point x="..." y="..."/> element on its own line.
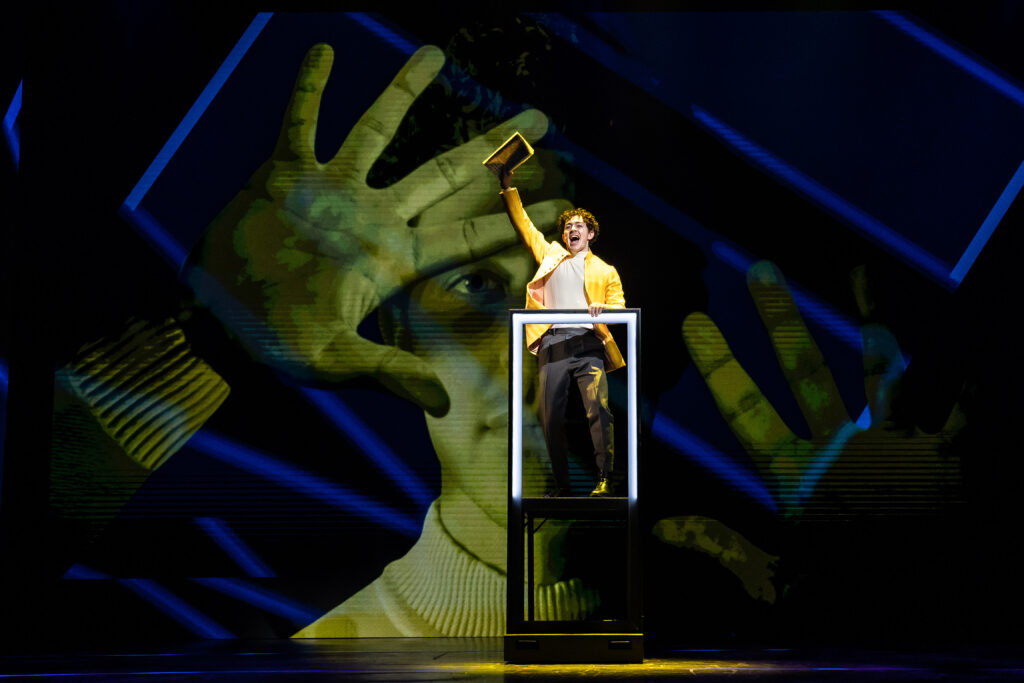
<point x="440" y="589"/>
<point x="149" y="393"/>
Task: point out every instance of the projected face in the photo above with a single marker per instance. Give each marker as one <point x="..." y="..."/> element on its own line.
<point x="458" y="323"/>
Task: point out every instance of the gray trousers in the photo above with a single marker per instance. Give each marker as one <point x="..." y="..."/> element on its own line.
<point x="566" y="358"/>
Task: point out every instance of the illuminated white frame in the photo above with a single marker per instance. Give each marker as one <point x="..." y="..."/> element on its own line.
<point x="630" y="317"/>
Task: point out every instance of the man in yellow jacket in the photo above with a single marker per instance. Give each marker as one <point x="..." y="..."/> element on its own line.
<point x="571" y="277"/>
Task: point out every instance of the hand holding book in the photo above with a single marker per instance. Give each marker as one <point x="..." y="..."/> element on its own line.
<point x="512" y="153"/>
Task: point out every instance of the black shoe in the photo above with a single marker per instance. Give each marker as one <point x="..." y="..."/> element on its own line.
<point x="603" y="489"/>
<point x="558" y="493"/>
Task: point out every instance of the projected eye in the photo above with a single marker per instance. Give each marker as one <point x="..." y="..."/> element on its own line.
<point x="480" y="286"/>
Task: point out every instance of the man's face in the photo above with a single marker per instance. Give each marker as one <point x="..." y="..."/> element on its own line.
<point x="577" y="235"/>
<point x="458" y="321"/>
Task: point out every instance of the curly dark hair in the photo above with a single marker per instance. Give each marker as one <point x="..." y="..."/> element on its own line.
<point x="587" y="217"/>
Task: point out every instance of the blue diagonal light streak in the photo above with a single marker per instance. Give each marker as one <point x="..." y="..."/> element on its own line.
<point x="80" y="572"/>
<point x="823" y="460"/>
<point x="160" y="597"/>
<point x="383" y="32"/>
<point x="244" y="556"/>
<point x="864" y="420"/>
<point x="196" y="111"/>
<point x="3" y="377"/>
<point x="860" y="220"/>
<point x="640" y="76"/>
<point x="153" y="232"/>
<point x="292" y="477"/>
<point x="176" y="608"/>
<point x="986" y="74"/>
<point x="668" y="431"/>
<point x="989" y="225"/>
<point x="14" y="108"/>
<point x="10" y="127"/>
<point x="597" y="49"/>
<point x="331" y="406"/>
<point x="830" y="319"/>
<point x="263" y="598"/>
<point x="629" y="188"/>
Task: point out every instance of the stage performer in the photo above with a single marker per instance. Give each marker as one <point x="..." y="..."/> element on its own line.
<point x="572" y="276"/>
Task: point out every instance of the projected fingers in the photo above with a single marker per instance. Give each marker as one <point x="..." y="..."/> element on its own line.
<point x="883" y="367"/>
<point x="749" y="563"/>
<point x="374" y="130"/>
<point x="298" y="134"/>
<point x="453" y="170"/>
<point x="842" y="464"/>
<point x="407" y="376"/>
<point x="402" y="373"/>
<point x="801" y="360"/>
<point x="475" y="199"/>
<point x="883" y="360"/>
<point x="446" y="246"/>
<point x="753" y="420"/>
<point x="307" y="251"/>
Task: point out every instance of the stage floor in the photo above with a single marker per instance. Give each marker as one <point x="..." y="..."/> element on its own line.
<point x="480" y="659"/>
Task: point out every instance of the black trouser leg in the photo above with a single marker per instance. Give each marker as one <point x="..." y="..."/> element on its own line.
<point x="554" y="395"/>
<point x="593" y="385"/>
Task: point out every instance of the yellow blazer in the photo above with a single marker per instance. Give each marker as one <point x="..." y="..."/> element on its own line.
<point x="600" y="281"/>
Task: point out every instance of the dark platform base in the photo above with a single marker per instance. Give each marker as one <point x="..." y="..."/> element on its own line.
<point x="574" y="648"/>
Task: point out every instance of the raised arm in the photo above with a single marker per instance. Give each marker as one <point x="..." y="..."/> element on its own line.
<point x="528" y="232"/>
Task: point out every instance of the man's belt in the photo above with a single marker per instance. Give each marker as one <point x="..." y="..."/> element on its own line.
<point x="580" y="346"/>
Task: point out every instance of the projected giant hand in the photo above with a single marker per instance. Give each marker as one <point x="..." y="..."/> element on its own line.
<point x="754" y="567"/>
<point x="875" y="461"/>
<point x="307" y="250"/>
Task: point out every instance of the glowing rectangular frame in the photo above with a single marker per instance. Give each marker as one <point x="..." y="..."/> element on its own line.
<point x="519" y="318"/>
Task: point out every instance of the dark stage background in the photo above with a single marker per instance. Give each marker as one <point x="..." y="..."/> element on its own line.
<point x="873" y="157"/>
